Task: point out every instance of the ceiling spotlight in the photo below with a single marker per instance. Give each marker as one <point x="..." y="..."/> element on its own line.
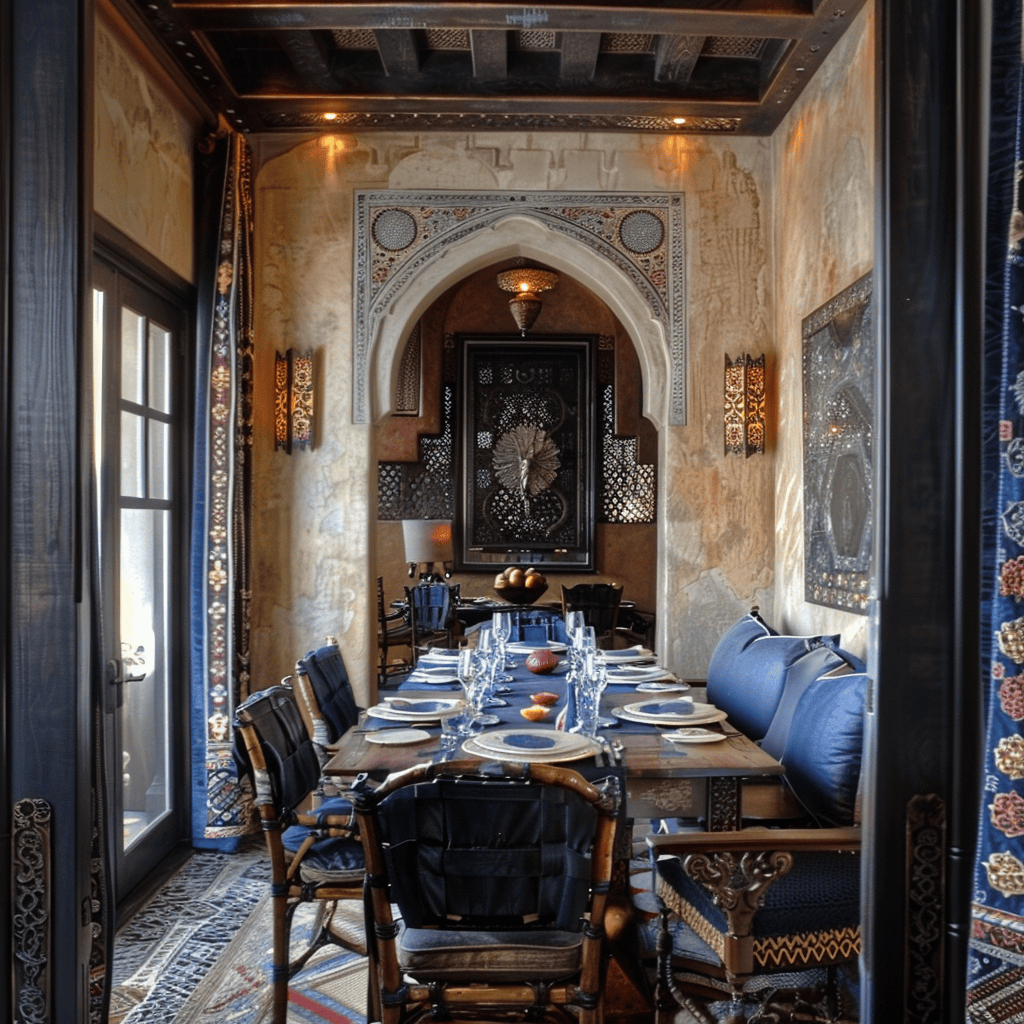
<point x="330" y="117"/>
<point x="679" y="120"/>
<point x="526" y="283"/>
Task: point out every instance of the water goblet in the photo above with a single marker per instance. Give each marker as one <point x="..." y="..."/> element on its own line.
<point x="473" y="674"/>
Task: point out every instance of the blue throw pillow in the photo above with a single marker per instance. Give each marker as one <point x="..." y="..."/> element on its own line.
<point x="748" y="670"/>
<point x="823" y="661"/>
<point x="825" y="745"/>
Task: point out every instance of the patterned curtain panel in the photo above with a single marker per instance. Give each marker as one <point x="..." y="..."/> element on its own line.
<point x="995" y="969"/>
<point x="222" y="494"/>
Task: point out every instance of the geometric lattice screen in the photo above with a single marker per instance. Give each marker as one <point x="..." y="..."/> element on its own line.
<point x="425" y="489"/>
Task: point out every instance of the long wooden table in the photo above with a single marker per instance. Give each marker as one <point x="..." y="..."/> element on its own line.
<point x="663" y="779"/>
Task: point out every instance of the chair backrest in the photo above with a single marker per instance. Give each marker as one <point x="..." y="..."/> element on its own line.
<point x="430" y="606"/>
<point x="382" y="608"/>
<point x="325" y="693"/>
<point x="276" y="751"/>
<point x="471" y="845"/>
<point x="534" y="625"/>
<point x="599" y="603"/>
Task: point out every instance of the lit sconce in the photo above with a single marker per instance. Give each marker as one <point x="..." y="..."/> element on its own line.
<point x="744" y="405"/>
<point x="526" y="283"/>
<point x="428" y="541"/>
<point x="293" y="400"/>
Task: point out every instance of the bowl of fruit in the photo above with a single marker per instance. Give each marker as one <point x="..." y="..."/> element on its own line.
<point x="520" y="586"/>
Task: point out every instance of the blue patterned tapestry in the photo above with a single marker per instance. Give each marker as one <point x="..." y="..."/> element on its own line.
<point x="995" y="969"/>
<point x="222" y="497"/>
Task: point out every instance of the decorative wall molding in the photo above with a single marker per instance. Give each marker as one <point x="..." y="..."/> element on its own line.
<point x="30" y="910"/>
<point x="925" y="918"/>
<point x="399" y="233"/>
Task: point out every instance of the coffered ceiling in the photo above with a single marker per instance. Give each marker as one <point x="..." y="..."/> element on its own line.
<point x="690" y="66"/>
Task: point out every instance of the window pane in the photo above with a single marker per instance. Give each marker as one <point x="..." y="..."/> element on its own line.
<point x="132" y="483"/>
<point x="144" y="646"/>
<point x="159" y="368"/>
<point x="159" y="459"/>
<point x="133" y="338"/>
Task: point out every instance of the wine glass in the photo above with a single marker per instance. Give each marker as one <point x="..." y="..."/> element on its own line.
<point x="474" y="678"/>
<point x="573" y="623"/>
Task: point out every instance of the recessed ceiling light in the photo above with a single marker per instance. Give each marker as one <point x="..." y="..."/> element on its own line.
<point x="330" y="117"/>
<point x="679" y="120"/>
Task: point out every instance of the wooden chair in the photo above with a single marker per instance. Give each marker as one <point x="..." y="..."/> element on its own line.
<point x="500" y="874"/>
<point x="431" y="615"/>
<point x="314" y="856"/>
<point x="599" y="603"/>
<point x="393" y="630"/>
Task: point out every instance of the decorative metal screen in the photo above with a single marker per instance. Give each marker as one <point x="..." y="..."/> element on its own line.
<point x="528" y="451"/>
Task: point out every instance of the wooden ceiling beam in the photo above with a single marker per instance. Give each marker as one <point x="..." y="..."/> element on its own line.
<point x="490" y="54"/>
<point x="398" y="52"/>
<point x="788" y="18"/>
<point x="308" y="56"/>
<point x="579" y="55"/>
<point x="675" y="56"/>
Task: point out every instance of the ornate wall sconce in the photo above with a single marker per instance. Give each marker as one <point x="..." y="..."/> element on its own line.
<point x="428" y="541"/>
<point x="744" y="405"/>
<point x="527" y="283"/>
<point x="293" y="400"/>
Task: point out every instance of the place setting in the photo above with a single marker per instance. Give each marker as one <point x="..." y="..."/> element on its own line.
<point x="680" y="710"/>
<point x="422" y="711"/>
<point x="517" y="744"/>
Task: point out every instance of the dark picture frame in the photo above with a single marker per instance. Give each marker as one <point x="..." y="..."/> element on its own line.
<point x="839" y="430"/>
<point x="527" y="451"/>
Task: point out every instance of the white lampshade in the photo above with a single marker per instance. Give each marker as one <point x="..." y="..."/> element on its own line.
<point x="427" y="540"/>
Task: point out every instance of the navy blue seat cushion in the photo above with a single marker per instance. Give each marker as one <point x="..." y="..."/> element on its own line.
<point x="331" y="856"/>
<point x="748" y="670"/>
<point x="439" y="954"/>
<point x="325" y="668"/>
<point x="823" y="751"/>
<point x="820" y="894"/>
<point x="823" y="661"/>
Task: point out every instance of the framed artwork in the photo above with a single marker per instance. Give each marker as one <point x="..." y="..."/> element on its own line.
<point x="527" y="451"/>
<point x="839" y="431"/>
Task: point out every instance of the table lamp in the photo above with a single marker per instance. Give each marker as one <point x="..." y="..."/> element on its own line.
<point x="428" y="541"/>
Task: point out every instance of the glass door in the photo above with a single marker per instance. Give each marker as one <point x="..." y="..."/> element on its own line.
<point x="138" y="423"/>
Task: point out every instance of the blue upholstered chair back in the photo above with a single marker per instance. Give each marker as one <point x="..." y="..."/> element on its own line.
<point x="748" y="669"/>
<point x="488" y="853"/>
<point x="292" y="763"/>
<point x="535" y="625"/>
<point x="430" y="605"/>
<point x="325" y="669"/>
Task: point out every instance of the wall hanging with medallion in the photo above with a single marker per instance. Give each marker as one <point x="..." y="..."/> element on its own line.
<point x="528" y="451"/>
<point x="839" y="404"/>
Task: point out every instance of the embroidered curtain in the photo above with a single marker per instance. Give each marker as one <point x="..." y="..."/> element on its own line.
<point x="996" y="952"/>
<point x="222" y="494"/>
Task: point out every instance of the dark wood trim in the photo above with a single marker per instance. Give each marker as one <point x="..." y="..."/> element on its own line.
<point x="48" y="651"/>
<point x="129" y="257"/>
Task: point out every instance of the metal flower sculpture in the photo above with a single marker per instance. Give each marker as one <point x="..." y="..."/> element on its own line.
<point x="526" y="461"/>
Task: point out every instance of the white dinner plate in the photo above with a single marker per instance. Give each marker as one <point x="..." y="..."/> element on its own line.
<point x="702" y="714"/>
<point x="636" y="673"/>
<point x="626" y="656"/>
<point x="547" y="745"/>
<point x="433" y="679"/>
<point x="694" y="736"/>
<point x="440" y="657"/>
<point x="524" y="647"/>
<point x="402" y="709"/>
<point x="653" y="686"/>
<point x="396" y="737"/>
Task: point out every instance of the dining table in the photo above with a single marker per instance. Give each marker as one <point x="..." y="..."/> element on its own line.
<point x="696" y="775"/>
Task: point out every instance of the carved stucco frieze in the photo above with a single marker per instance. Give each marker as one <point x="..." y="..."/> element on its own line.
<point x="400" y="233"/>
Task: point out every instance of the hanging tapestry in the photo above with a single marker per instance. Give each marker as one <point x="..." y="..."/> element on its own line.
<point x="222" y="497"/>
<point x="995" y="968"/>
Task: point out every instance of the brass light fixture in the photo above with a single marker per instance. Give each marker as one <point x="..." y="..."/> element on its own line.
<point x="744" y="405"/>
<point x="527" y="283"/>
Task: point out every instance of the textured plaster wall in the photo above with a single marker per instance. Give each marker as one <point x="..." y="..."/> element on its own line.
<point x="313" y="563"/>
<point x="824" y="155"/>
<point x="143" y="146"/>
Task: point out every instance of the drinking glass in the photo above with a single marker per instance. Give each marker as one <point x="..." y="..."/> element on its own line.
<point x="501" y="631"/>
<point x="474" y="678"/>
<point x="573" y="623"/>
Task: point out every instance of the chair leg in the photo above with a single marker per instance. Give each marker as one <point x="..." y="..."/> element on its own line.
<point x="282" y="939"/>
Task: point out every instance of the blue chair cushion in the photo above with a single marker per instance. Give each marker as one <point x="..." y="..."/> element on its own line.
<point x="438" y="954"/>
<point x="814" y="665"/>
<point x="325" y="668"/>
<point x="330" y="859"/>
<point x="820" y="896"/>
<point x="748" y="670"/>
<point x="824" y="747"/>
